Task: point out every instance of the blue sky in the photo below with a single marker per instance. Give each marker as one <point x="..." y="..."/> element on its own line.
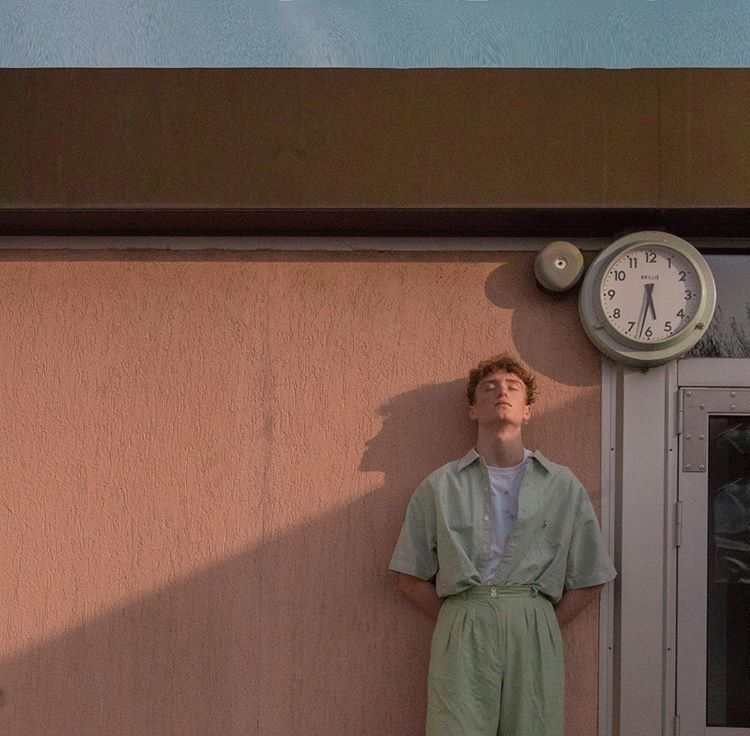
<point x="370" y="33"/>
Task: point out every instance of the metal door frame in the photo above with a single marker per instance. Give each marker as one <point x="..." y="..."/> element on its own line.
<point x="640" y="425"/>
<point x="698" y="403"/>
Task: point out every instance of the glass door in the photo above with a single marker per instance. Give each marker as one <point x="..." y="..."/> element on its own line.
<point x="713" y="620"/>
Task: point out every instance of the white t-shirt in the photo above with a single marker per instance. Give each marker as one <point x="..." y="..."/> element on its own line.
<point x="506" y="485"/>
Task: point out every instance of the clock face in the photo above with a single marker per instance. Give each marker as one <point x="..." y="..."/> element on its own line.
<point x="650" y="293"/>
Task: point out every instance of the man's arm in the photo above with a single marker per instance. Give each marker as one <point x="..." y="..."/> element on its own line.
<point x="421" y="593"/>
<point x="574" y="601"/>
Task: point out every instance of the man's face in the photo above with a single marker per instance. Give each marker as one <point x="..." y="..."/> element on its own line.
<point x="500" y="399"/>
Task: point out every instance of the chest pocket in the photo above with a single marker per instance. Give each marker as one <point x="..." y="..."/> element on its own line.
<point x="549" y="539"/>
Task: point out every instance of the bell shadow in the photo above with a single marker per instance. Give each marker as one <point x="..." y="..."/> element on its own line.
<point x="545" y="327"/>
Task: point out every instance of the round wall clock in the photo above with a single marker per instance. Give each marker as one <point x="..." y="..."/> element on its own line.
<point x="647" y="298"/>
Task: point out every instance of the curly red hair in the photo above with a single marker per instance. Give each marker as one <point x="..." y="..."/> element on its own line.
<point x="502" y="362"/>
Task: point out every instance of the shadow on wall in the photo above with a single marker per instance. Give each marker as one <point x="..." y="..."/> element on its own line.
<point x="303" y="633"/>
<point x="535" y="319"/>
<point x="432" y="420"/>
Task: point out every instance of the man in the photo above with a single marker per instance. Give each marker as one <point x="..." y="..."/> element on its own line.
<point x="501" y="547"/>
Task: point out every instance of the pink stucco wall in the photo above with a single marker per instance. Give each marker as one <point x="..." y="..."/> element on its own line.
<point x="206" y="459"/>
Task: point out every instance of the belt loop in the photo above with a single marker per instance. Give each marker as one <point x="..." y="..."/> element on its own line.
<point x="534" y="591"/>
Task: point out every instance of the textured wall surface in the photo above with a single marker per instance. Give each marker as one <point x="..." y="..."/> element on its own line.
<point x="206" y="462"/>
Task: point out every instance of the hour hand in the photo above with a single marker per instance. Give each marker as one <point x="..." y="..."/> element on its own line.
<point x="650" y="300"/>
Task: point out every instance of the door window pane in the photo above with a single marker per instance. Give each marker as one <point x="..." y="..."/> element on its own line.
<point x="728" y="634"/>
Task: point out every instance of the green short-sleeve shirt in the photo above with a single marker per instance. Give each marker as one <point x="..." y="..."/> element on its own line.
<point x="556" y="542"/>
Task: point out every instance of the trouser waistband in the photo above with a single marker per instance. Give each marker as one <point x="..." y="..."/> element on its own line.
<point x="499" y="591"/>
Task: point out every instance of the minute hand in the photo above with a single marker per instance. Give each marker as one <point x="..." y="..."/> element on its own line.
<point x="644" y="308"/>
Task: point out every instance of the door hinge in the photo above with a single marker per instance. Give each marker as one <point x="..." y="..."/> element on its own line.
<point x="677" y="523"/>
<point x="680" y="412"/>
<point x="676" y="722"/>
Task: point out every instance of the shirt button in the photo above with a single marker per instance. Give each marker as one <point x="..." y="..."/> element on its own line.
<point x="486" y="517"/>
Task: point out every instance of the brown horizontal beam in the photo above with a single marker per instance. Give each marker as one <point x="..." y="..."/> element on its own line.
<point x="444" y="222"/>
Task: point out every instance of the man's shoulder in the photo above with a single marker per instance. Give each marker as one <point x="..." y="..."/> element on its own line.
<point x="447" y="473"/>
<point x="561" y="476"/>
<point x="553" y="468"/>
<point x="449" y="469"/>
<point x="455" y="468"/>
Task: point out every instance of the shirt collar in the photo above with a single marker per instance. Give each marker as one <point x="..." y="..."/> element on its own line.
<point x="472" y="455"/>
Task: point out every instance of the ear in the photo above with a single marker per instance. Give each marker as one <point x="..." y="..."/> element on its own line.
<point x="472" y="412"/>
<point x="527" y="412"/>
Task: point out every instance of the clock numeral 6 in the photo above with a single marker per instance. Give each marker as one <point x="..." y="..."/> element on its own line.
<point x="649" y="332"/>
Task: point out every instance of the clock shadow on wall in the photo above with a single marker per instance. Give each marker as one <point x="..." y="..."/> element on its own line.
<point x="547" y="333"/>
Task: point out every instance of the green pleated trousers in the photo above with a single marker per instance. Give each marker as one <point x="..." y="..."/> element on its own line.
<point x="496" y="665"/>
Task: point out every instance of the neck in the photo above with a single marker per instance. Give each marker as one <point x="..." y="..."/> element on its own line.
<point x="501" y="448"/>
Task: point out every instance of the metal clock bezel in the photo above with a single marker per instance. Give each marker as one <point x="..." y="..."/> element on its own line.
<point x="629" y="350"/>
